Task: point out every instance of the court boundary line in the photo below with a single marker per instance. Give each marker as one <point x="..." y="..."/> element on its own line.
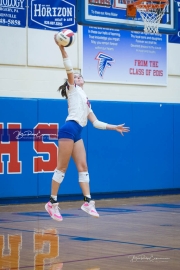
<point x="96" y="258"/>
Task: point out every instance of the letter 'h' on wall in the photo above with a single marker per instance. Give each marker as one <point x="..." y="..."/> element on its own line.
<point x="10" y="148"/>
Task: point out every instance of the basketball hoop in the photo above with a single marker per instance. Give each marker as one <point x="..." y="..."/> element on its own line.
<point x="151" y="13"/>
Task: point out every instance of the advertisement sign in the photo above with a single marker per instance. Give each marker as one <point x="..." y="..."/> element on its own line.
<point x="176" y="38"/>
<point x="119" y="56"/>
<point x="13" y="13"/>
<point x="52" y="15"/>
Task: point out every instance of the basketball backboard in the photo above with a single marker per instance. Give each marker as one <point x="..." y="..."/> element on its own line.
<point x="113" y="14"/>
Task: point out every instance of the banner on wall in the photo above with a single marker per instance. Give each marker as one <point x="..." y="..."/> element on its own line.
<point x="119" y="56"/>
<point x="52" y="15"/>
<point x="176" y="38"/>
<point x="13" y="13"/>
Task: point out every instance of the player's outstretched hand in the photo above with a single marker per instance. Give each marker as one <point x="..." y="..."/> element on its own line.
<point x="121" y="129"/>
<point x="60" y="46"/>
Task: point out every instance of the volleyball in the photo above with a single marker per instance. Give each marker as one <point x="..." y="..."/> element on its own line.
<point x="65" y="38"/>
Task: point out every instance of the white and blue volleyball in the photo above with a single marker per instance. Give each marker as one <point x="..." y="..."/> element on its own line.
<point x="65" y="38"/>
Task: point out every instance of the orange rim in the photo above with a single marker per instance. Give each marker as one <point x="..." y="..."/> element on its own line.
<point x="163" y="2"/>
<point x="153" y="6"/>
<point x="132" y="7"/>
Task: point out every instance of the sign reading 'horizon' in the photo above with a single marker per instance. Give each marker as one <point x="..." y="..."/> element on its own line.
<point x="52" y="15"/>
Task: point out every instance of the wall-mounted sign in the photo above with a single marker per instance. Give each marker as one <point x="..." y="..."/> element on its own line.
<point x="13" y="13"/>
<point x="52" y="15"/>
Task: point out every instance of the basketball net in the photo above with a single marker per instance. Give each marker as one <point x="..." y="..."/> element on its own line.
<point x="151" y="12"/>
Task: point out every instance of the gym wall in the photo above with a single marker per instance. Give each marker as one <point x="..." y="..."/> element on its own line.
<point x="146" y="159"/>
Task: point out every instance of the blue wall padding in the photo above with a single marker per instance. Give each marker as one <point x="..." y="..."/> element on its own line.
<point x="147" y="158"/>
<point x="152" y="146"/>
<point x="176" y="146"/>
<point x="110" y="154"/>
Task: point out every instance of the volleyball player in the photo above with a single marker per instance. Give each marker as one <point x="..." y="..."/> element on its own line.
<point x="70" y="143"/>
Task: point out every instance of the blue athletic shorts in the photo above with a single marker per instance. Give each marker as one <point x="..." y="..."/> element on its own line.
<point x="70" y="130"/>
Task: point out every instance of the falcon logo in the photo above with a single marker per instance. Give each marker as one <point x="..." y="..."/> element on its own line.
<point x="104" y="61"/>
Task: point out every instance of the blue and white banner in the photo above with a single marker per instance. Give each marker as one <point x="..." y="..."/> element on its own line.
<point x="119" y="56"/>
<point x="176" y="38"/>
<point x="13" y="13"/>
<point x="52" y="15"/>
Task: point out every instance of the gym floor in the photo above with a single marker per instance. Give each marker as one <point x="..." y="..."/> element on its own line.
<point x="133" y="233"/>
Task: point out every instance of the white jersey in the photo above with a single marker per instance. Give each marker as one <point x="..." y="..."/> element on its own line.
<point x="78" y="105"/>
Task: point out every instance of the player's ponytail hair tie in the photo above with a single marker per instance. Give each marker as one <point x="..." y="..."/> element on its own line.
<point x="62" y="89"/>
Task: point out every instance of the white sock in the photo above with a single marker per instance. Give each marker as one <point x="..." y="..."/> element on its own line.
<point x="54" y="197"/>
<point x="89" y="196"/>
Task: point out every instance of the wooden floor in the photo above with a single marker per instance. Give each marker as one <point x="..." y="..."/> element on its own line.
<point x="136" y="233"/>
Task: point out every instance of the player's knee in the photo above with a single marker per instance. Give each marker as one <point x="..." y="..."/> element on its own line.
<point x="82" y="167"/>
<point x="84" y="177"/>
<point x="58" y="176"/>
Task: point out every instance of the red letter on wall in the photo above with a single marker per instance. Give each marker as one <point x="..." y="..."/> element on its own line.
<point x="10" y="148"/>
<point x="50" y="148"/>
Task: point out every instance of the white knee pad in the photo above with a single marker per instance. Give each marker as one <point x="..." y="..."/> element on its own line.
<point x="58" y="176"/>
<point x="84" y="177"/>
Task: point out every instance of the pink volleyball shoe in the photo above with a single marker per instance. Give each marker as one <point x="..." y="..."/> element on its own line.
<point x="90" y="209"/>
<point x="53" y="210"/>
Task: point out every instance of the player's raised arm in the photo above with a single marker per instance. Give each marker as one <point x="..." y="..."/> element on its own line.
<point x="101" y="125"/>
<point x="67" y="63"/>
